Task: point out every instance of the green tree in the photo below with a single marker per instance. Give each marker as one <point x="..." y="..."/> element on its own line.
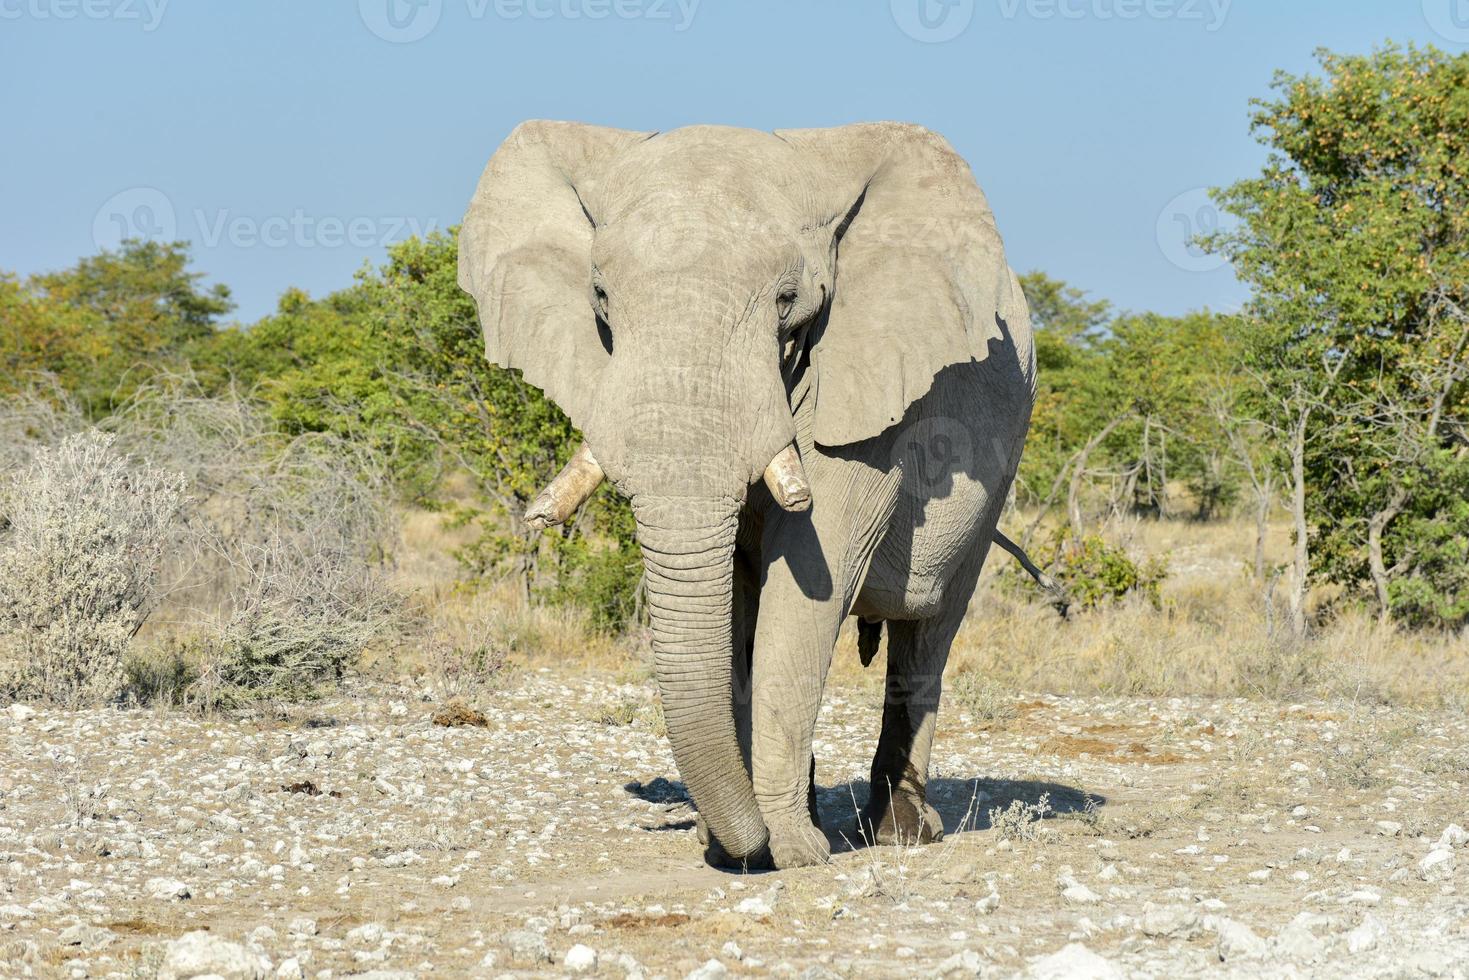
<point x="101" y="326"/>
<point x="1353" y="239"/>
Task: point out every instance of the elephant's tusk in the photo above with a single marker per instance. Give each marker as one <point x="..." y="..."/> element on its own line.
<point x="577" y="481"/>
<point x="787" y="480"/>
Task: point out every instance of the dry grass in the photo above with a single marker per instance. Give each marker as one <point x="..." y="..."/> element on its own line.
<point x="1215" y="635"/>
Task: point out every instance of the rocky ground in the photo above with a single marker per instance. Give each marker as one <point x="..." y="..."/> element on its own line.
<point x="357" y="837"/>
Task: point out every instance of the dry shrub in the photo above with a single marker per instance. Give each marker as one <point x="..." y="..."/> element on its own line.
<point x="34" y="418"/>
<point x="78" y="566"/>
<point x="467" y="647"/>
<point x="471" y="641"/>
<point x="270" y="573"/>
<point x="986" y="702"/>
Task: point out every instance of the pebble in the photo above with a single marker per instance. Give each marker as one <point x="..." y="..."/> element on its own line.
<point x="199" y="954"/>
<point x="166" y="889"/>
<point x="1238" y="941"/>
<point x="965" y="963"/>
<point x="1079" y="894"/>
<point x="1074" y="962"/>
<point x="1453" y="836"/>
<point x="1170" y="922"/>
<point x="1366" y="935"/>
<point x="1438" y="865"/>
<point x="580" y="959"/>
<point x="711" y="970"/>
<point x="527" y="948"/>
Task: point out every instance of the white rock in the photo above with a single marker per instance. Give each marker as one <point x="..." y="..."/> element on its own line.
<point x="1389" y="828"/>
<point x="712" y="970"/>
<point x="1238" y="941"/>
<point x="988" y="904"/>
<point x="527" y="948"/>
<point x="367" y="934"/>
<point x="198" y="954"/>
<point x="1453" y="836"/>
<point x="290" y="969"/>
<point x="732" y="950"/>
<point x="1074" y="962"/>
<point x="1296" y="941"/>
<point x="1080" y="895"/>
<point x="757" y="907"/>
<point x="1366" y="936"/>
<point x="580" y="959"/>
<point x="1437" y="866"/>
<point x="965" y="963"/>
<point x="166" y="889"/>
<point x="21" y="712"/>
<point x="1169" y="922"/>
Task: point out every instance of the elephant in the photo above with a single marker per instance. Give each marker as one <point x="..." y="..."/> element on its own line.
<point x="802" y="357"/>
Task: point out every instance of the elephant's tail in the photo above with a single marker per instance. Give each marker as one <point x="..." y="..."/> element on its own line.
<point x="1059" y="597"/>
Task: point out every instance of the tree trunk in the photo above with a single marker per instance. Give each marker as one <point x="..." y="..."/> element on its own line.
<point x="1375" y="528"/>
<point x="1078" y="475"/>
<point x="1301" y="562"/>
<point x="1262" y="522"/>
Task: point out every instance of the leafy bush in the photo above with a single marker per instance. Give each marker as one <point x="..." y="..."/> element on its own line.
<point x="602" y="581"/>
<point x="1095" y="572"/>
<point x="78" y="566"/>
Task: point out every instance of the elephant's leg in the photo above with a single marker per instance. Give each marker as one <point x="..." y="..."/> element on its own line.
<point x="816" y="562"/>
<point x="897" y="811"/>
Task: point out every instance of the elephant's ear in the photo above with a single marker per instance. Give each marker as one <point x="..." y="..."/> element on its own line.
<point x="921" y="280"/>
<point x="524" y="256"/>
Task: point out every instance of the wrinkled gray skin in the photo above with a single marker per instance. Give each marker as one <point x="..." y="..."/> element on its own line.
<point x="694" y="300"/>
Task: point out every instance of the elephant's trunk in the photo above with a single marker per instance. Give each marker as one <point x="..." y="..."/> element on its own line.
<point x="688" y="553"/>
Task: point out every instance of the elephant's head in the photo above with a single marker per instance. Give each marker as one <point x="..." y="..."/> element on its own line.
<point x="671" y="291"/>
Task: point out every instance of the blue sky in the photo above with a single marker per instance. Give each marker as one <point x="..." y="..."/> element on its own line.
<point x="289" y="140"/>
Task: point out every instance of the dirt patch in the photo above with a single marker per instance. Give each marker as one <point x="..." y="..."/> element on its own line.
<point x="142" y="927"/>
<point x="457" y="714"/>
<point x="627" y="920"/>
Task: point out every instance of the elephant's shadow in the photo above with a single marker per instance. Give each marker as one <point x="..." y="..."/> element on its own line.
<point x="965" y="805"/>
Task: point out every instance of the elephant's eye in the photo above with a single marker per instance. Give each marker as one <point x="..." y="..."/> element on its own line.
<point x="784" y="302"/>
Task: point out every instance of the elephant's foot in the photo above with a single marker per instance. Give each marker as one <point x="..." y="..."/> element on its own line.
<point x="796" y="843"/>
<point x="902" y="816"/>
<point x="716" y="856"/>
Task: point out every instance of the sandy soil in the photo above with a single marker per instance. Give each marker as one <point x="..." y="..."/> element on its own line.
<point x="355" y="836"/>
